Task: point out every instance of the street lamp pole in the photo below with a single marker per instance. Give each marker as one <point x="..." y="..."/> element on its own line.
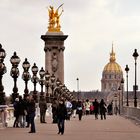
<point x="119" y="89"/>
<point x="35" y="80"/>
<point x="78" y="87"/>
<point x="41" y="81"/>
<point x="135" y="87"/>
<point x="15" y="60"/>
<point x="2" y="71"/>
<point x="122" y="88"/>
<point x="127" y="69"/>
<point x="26" y="76"/>
<point x="52" y="78"/>
<point x="47" y="78"/>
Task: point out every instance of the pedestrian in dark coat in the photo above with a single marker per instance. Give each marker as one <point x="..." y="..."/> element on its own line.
<point x="96" y="108"/>
<point x="31" y="112"/>
<point x="103" y="109"/>
<point x="54" y="109"/>
<point x="61" y="113"/>
<point x="16" y="112"/>
<point x="79" y="110"/>
<point x="74" y="108"/>
<point x="26" y="101"/>
<point x="43" y="108"/>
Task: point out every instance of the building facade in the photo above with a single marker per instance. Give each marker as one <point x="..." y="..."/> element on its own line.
<point x="111" y="77"/>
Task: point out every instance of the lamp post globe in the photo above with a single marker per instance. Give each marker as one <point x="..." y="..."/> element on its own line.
<point x="42" y="73"/>
<point x="26" y="65"/>
<point x="15" y="60"/>
<point x="57" y="82"/>
<point x="2" y="54"/>
<point x="135" y="87"/>
<point x="3" y="70"/>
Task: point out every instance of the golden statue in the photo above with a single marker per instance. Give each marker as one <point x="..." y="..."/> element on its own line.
<point x="54" y="19"/>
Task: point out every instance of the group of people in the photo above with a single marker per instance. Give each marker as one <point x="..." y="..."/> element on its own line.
<point x="62" y="109"/>
<point x="24" y="112"/>
<point x="87" y="107"/>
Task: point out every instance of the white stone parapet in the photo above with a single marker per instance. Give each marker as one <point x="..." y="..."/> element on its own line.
<point x="131" y="112"/>
<point x="6" y="115"/>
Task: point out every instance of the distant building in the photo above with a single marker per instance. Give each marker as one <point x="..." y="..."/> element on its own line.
<point x="111" y="77"/>
<point x="111" y="80"/>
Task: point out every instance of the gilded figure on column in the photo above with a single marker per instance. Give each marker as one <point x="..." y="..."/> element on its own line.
<point x="54" y="19"/>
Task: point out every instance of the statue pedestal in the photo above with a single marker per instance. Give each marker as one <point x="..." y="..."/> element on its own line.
<point x="54" y="53"/>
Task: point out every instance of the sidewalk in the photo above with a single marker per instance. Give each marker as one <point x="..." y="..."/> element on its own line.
<point x="114" y="128"/>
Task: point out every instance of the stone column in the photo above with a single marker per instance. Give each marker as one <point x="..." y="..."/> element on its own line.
<point x="54" y="53"/>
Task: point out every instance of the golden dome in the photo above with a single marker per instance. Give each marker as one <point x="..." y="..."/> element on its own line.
<point x="112" y="66"/>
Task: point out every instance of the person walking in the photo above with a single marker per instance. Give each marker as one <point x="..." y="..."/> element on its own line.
<point x="26" y="102"/>
<point x="61" y="113"/>
<point x="74" y="108"/>
<point x="22" y="115"/>
<point x="31" y="112"/>
<point x="43" y="108"/>
<point x="79" y="110"/>
<point x="103" y="109"/>
<point x="69" y="108"/>
<point x="87" y="106"/>
<point x="16" y="112"/>
<point x="96" y="108"/>
<point x="54" y="109"/>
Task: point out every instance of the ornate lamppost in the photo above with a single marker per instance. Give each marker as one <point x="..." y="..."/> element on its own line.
<point x="77" y="88"/>
<point x="15" y="60"/>
<point x="52" y="78"/>
<point x="122" y="87"/>
<point x="115" y="98"/>
<point x="26" y="76"/>
<point x="41" y="81"/>
<point x="119" y="89"/>
<point x="63" y="90"/>
<point x="127" y="69"/>
<point x="2" y="71"/>
<point x="60" y="91"/>
<point x="35" y="80"/>
<point x="47" y="78"/>
<point x="57" y="89"/>
<point x="135" y="87"/>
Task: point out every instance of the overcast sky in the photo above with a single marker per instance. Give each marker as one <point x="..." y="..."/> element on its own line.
<point x="91" y="27"/>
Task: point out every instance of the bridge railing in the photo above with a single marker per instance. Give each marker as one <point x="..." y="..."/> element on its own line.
<point x="6" y="115"/>
<point x="131" y="112"/>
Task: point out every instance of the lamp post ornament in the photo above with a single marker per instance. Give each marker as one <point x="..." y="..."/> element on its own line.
<point x="54" y="18"/>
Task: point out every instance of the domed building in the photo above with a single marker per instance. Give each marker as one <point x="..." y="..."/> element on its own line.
<point x="111" y="75"/>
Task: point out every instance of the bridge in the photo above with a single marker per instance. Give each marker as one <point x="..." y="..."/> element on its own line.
<point x="115" y="127"/>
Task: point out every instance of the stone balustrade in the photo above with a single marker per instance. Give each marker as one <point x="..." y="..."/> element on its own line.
<point x="6" y="115"/>
<point x="131" y="112"/>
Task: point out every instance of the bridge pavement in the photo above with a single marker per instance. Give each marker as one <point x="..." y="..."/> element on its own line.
<point x="114" y="128"/>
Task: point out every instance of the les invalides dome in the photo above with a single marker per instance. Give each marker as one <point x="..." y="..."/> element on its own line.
<point x="111" y="75"/>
